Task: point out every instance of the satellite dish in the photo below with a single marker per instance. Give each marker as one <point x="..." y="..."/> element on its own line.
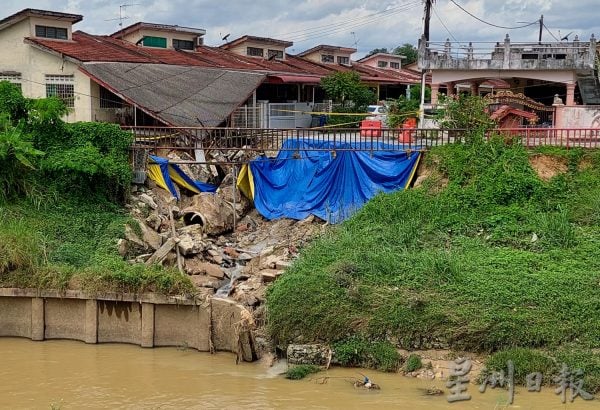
<point x="226" y="36"/>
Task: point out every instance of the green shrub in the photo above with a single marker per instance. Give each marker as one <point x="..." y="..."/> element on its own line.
<point x="413" y="362"/>
<point x="555" y="229"/>
<point x="19" y="247"/>
<point x="301" y="371"/>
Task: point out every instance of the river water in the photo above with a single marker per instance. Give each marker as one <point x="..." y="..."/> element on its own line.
<point x="72" y="375"/>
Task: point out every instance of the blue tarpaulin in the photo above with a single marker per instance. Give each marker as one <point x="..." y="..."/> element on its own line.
<point x="332" y="186"/>
<point x="166" y="175"/>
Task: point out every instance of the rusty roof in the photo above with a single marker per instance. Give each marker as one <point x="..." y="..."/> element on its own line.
<point x="86" y="48"/>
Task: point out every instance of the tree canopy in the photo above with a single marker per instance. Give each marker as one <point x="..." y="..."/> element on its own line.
<point x="407" y="50"/>
<point x="346" y="86"/>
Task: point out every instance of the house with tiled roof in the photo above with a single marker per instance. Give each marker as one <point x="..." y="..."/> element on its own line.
<point x="383" y="60"/>
<point x="147" y="74"/>
<point x="328" y="54"/>
<point x="260" y="47"/>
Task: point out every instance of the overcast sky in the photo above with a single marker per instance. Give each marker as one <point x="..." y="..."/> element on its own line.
<point x="366" y="24"/>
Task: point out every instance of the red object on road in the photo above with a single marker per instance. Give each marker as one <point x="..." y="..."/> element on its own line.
<point x="406" y="135"/>
<point x="370" y="128"/>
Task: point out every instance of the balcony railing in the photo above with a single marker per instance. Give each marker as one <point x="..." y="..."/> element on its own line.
<point x="507" y="55"/>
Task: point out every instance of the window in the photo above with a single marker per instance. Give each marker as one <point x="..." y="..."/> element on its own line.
<point x="327" y="58"/>
<point x="11" y="78"/>
<point x="395" y="65"/>
<point x="51" y="32"/>
<point x="109" y="100"/>
<point x="61" y="86"/>
<point x="382" y="64"/>
<point x="150" y="41"/>
<point x="343" y="60"/>
<point x="183" y="44"/>
<point x="275" y="53"/>
<point x="254" y="51"/>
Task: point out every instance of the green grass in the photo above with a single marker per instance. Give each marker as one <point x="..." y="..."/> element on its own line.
<point x="458" y="265"/>
<point x="358" y="352"/>
<point x="301" y="371"/>
<point x="527" y="361"/>
<point x="71" y="244"/>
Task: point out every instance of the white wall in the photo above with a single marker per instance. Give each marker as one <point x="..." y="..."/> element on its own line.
<point x="240" y="49"/>
<point x="34" y="64"/>
<point x="581" y="116"/>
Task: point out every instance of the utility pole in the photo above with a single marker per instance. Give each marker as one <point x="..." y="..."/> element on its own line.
<point x="425" y="38"/>
<point x="427" y="18"/>
<point x="541" y="26"/>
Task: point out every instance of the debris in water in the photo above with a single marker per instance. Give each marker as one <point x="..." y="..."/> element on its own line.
<point x="366" y="383"/>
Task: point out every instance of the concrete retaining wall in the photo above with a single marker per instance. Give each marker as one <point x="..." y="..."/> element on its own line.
<point x="147" y="320"/>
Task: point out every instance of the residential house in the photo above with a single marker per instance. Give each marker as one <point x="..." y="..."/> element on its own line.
<point x="162" y="36"/>
<point x="147" y="74"/>
<point x="260" y="47"/>
<point x="383" y="60"/>
<point x="548" y="73"/>
<point x="326" y="54"/>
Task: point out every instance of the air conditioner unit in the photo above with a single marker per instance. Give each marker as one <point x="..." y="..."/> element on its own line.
<point x="199" y="41"/>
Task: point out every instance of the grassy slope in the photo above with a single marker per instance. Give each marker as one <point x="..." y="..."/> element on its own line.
<point x="458" y="265"/>
<point x="72" y="244"/>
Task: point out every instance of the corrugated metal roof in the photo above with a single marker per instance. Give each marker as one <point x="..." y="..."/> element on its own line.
<point x="89" y="48"/>
<point x="183" y="96"/>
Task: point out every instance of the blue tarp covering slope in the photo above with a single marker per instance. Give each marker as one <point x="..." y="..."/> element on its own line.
<point x="171" y="173"/>
<point x="332" y="187"/>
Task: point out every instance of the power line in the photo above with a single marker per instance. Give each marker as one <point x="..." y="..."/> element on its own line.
<point x="492" y="24"/>
<point x="444" y="25"/>
<point x="344" y="26"/>
<point x="308" y="31"/>
<point x="551" y="33"/>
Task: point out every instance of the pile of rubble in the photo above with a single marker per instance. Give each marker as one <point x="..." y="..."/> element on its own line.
<point x="219" y="240"/>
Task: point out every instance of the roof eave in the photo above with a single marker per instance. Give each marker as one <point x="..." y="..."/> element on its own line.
<point x="49" y="50"/>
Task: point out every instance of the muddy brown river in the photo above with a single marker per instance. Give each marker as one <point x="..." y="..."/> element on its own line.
<point x="72" y="375"/>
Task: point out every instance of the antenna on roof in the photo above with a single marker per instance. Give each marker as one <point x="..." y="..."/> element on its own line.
<point x="355" y="40"/>
<point x="121" y="16"/>
<point x="225" y="37"/>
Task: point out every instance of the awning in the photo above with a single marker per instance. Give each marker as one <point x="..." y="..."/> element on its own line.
<point x="293" y="79"/>
<point x="177" y="95"/>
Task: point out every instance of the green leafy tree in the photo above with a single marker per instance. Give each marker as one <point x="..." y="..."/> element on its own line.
<point x="466" y="112"/>
<point x="377" y="50"/>
<point x="19" y="158"/>
<point x="404" y="108"/>
<point x="346" y="87"/>
<point x="409" y="51"/>
<point x="12" y="102"/>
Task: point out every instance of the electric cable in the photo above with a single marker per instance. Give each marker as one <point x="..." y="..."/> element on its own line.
<point x="550" y="32"/>
<point x="444" y="25"/>
<point x="492" y="24"/>
<point x="308" y="31"/>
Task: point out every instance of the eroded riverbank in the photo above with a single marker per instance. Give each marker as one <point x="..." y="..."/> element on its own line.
<point x="72" y="375"/>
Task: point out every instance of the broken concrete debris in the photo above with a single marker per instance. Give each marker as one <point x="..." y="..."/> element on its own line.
<point x="225" y="245"/>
